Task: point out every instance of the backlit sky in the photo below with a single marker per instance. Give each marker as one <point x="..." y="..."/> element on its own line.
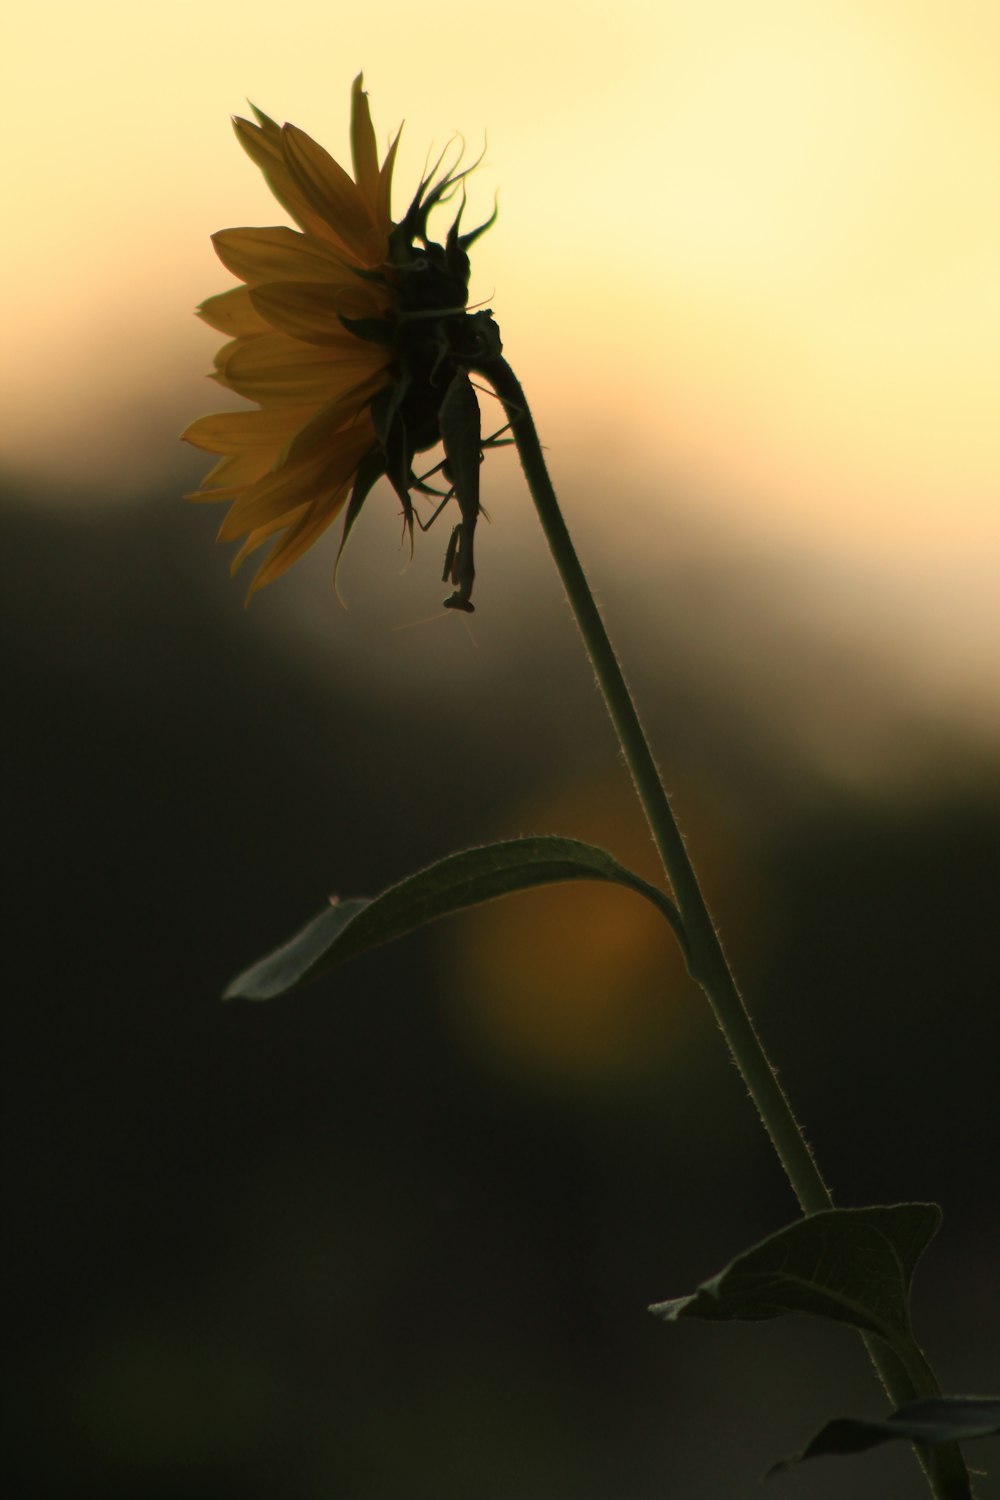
<point x="750" y="250"/>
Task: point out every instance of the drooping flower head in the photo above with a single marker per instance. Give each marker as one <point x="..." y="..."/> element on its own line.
<point x="352" y="335"/>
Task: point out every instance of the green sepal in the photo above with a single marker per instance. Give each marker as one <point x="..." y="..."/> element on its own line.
<point x="461" y="435"/>
<point x="370" y="471"/>
<point x="372" y="330"/>
<point x="365" y="273"/>
<point x="849" y="1265"/>
<point x="931" y="1422"/>
<point x="471" y="235"/>
<point x="350" y="927"/>
<point x="413" y="225"/>
<point x="397" y="450"/>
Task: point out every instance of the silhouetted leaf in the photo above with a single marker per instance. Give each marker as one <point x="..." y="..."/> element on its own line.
<point x="350" y="927"/>
<point x="939" y="1419"/>
<point x="852" y="1265"/>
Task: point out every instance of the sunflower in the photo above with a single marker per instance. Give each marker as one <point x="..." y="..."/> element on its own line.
<point x="352" y="335"/>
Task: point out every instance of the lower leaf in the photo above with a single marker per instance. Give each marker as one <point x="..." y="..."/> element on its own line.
<point x="850" y="1265"/>
<point x="937" y="1420"/>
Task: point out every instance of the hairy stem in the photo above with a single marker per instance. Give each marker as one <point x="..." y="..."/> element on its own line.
<point x="705" y="957"/>
<point x="706" y="960"/>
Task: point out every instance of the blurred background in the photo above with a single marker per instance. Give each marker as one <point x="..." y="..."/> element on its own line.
<point x="395" y="1236"/>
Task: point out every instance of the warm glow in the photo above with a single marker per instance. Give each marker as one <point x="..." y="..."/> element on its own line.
<point x="582" y="980"/>
<point x="779" y="224"/>
<point x="748" y="257"/>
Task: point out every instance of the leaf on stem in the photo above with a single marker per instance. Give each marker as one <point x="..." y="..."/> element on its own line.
<point x="936" y="1420"/>
<point x="851" y="1265"/>
<point x="349" y="927"/>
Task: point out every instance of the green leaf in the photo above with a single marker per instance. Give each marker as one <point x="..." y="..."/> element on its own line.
<point x="350" y="927"/>
<point x="936" y="1420"/>
<point x="852" y="1265"/>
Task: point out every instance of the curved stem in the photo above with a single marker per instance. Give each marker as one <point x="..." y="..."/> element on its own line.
<point x="945" y="1470"/>
<point x="705" y="957"/>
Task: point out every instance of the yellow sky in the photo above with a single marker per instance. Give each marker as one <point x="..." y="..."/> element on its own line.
<point x="751" y="248"/>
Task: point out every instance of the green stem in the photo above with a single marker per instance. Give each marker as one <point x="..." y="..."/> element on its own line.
<point x="704" y="954"/>
<point x="705" y="957"/>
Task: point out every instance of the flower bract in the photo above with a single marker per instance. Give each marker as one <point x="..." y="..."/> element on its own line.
<point x="352" y="335"/>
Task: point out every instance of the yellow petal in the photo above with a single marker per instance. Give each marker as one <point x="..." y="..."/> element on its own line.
<point x="332" y="423"/>
<point x="300" y="537"/>
<point x="276" y="370"/>
<point x="279" y="254"/>
<point x="264" y="533"/>
<point x="322" y="471"/>
<point x="205" y="497"/>
<point x="270" y="128"/>
<point x="232" y="475"/>
<point x="232" y="313"/>
<point x="383" y="201"/>
<point x="263" y="146"/>
<point x="330" y="193"/>
<point x="312" y="311"/>
<point x="242" y="431"/>
<point x="237" y="470"/>
<point x="364" y="152"/>
<point x="227" y="350"/>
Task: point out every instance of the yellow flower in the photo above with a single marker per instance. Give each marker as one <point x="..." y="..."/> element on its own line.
<point x="348" y="334"/>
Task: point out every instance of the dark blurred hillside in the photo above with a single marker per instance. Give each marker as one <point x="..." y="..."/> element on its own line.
<point x="337" y="1246"/>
